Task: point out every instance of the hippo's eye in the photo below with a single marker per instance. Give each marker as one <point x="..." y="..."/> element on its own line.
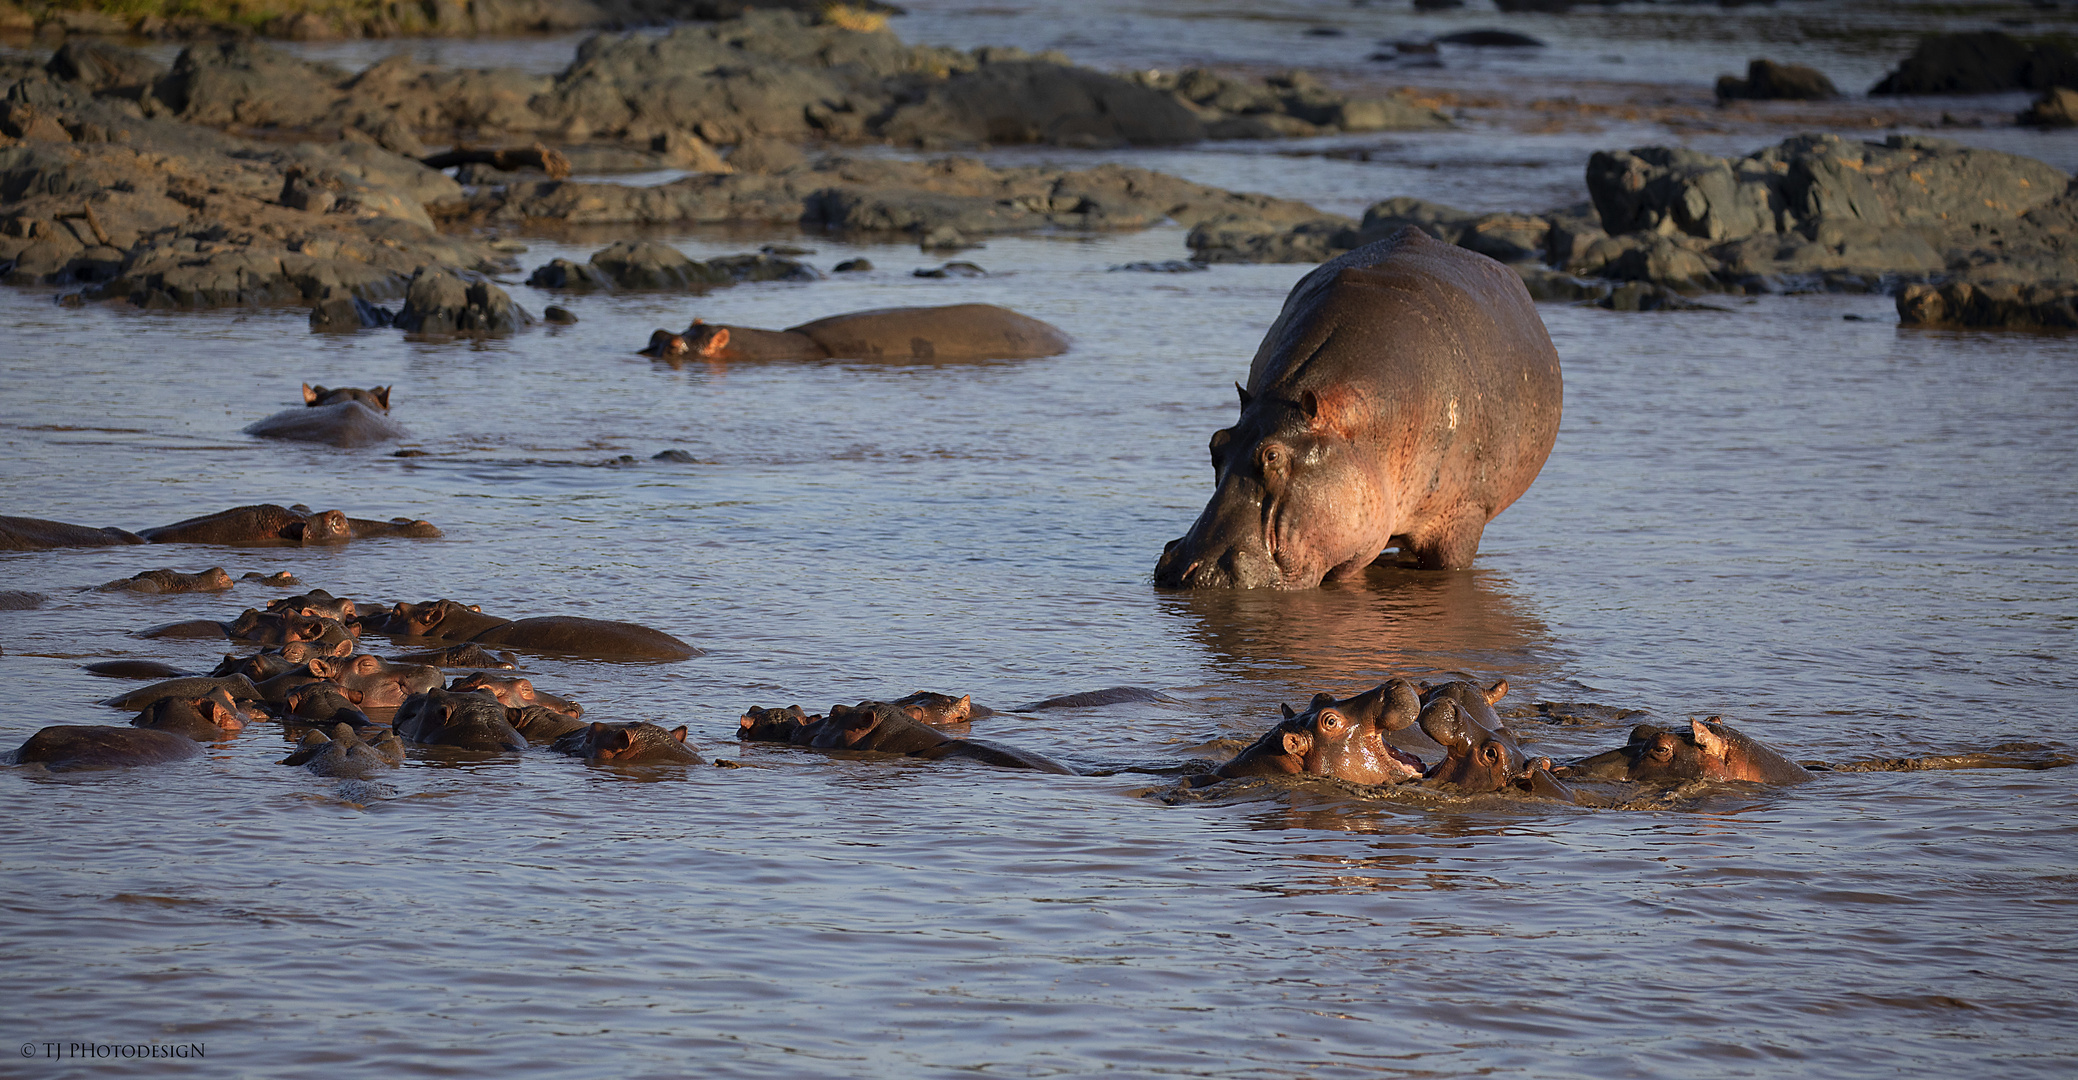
<point x="1489" y="754"/>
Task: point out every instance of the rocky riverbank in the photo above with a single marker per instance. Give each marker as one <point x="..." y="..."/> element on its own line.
<point x="1813" y="212"/>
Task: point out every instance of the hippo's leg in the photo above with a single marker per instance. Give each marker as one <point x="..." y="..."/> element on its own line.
<point x="1448" y="543"/>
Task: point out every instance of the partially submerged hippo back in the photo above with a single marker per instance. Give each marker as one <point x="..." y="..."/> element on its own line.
<point x="629" y="744"/>
<point x="601" y="638"/>
<point x="954" y="332"/>
<point x="95" y="746"/>
<point x="159" y="582"/>
<point x="344" y="424"/>
<point x="1406" y="394"/>
<point x="36" y="534"/>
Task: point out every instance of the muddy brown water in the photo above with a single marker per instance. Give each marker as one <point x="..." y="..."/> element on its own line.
<point x="1847" y="539"/>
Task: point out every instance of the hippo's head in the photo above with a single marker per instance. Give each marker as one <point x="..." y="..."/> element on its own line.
<point x="323" y="527"/>
<point x="937" y="710"/>
<point x="772" y="725"/>
<point x="664" y="343"/>
<point x="1342" y="739"/>
<point x="1293" y="504"/>
<point x="1476" y="758"/>
<point x="375" y="397"/>
<point x="706" y="342"/>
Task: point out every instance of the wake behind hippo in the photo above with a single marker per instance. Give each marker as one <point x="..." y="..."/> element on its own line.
<point x="911" y="334"/>
<point x="1406" y="394"/>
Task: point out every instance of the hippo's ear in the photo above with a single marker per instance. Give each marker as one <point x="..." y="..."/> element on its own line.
<point x="1496" y="692"/>
<point x="1309" y="403"/>
<point x="1709" y="740"/>
<point x="1297" y="743"/>
<point x="1444" y="722"/>
<point x="1246" y="397"/>
<point x="382" y="396"/>
<point x="678" y="733"/>
<point x="966" y="702"/>
<point x="1288" y="713"/>
<point x="321" y="668"/>
<point x="621" y="738"/>
<point x="715" y="343"/>
<point x="312" y="393"/>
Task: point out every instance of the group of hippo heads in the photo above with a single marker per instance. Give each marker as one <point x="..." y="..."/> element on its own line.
<point x="909" y="334"/>
<point x="1346" y="740"/>
<point x="908" y="726"/>
<point x="1406" y="395"/>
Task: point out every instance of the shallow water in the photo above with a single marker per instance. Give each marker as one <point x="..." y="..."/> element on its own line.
<point x="1848" y="539"/>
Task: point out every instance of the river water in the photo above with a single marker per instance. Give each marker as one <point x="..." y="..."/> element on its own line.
<point x="1848" y="539"/>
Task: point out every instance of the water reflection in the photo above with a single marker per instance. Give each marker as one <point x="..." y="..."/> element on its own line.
<point x="1393" y="621"/>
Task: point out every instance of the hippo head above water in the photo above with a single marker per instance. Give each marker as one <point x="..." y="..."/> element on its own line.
<point x="1707" y="750"/>
<point x="1341" y="739"/>
<point x="375" y="397"/>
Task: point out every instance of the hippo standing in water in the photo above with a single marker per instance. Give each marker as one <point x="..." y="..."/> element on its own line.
<point x="954" y="332"/>
<point x="344" y="417"/>
<point x="1406" y="394"/>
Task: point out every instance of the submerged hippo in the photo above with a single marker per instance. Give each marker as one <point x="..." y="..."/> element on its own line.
<point x="96" y="746"/>
<point x="344" y="754"/>
<point x="1341" y="739"/>
<point x="515" y="693"/>
<point x="36" y="534"/>
<point x="238" y="686"/>
<point x="207" y="718"/>
<point x="1708" y="750"/>
<point x="628" y="744"/>
<point x="344" y="417"/>
<point x="322" y="704"/>
<point x="954" y="332"/>
<point x="372" y="682"/>
<point x="604" y="639"/>
<point x="1406" y="394"/>
<point x="464" y="721"/>
<point x="882" y="728"/>
<point x="267" y="523"/>
<point x="155" y="582"/>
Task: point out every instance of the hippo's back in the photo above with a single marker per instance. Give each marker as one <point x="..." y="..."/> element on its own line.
<point x="954" y="332"/>
<point x="1432" y="354"/>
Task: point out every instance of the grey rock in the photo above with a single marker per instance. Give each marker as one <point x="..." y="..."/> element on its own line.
<point x="438" y="301"/>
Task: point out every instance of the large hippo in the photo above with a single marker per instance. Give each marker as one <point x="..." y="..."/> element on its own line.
<point x="953" y="332"/>
<point x="604" y="639"/>
<point x="100" y="746"/>
<point x="1708" y="750"/>
<point x="1406" y="394"/>
<point x="345" y="417"/>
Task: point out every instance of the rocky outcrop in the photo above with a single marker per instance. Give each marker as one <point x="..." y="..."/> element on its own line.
<point x="635" y="264"/>
<point x="2052" y="306"/>
<point x="1814" y="212"/>
<point x="1038" y="102"/>
<point x="1291" y="104"/>
<point x="1982" y="62"/>
<point x="1767" y="80"/>
<point x="442" y="302"/>
<point x="949" y="195"/>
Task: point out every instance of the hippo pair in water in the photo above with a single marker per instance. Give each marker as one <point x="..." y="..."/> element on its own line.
<point x="883" y="727"/>
<point x="1406" y="395"/>
<point x="342" y="416"/>
<point x="261" y="524"/>
<point x="912" y="334"/>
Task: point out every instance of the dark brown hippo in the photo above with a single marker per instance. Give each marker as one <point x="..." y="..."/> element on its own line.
<point x="214" y="579"/>
<point x="939" y="710"/>
<point x="515" y="693"/>
<point x="372" y="682"/>
<point x="541" y="725"/>
<point x="1341" y="739"/>
<point x="1092" y="699"/>
<point x="262" y="628"/>
<point x="317" y="603"/>
<point x="463" y="721"/>
<point x="953" y="332"/>
<point x="344" y="754"/>
<point x="466" y="655"/>
<point x="36" y="534"/>
<point x="628" y="744"/>
<point x="290" y="655"/>
<point x="344" y="417"/>
<point x="322" y="704"/>
<point x="96" y="746"/>
<point x="238" y="686"/>
<point x="1406" y="394"/>
<point x="603" y="639"/>
<point x="208" y="718"/>
<point x="882" y="728"/>
<point x="1708" y="750"/>
<point x="269" y="524"/>
<point x="140" y="669"/>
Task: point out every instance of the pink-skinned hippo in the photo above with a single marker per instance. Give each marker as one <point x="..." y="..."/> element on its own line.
<point x="912" y="334"/>
<point x="1406" y="394"/>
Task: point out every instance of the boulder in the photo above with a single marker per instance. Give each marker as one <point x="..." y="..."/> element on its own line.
<point x="1980" y="62"/>
<point x="1767" y="80"/>
<point x="1037" y="102"/>
<point x="438" y="301"/>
